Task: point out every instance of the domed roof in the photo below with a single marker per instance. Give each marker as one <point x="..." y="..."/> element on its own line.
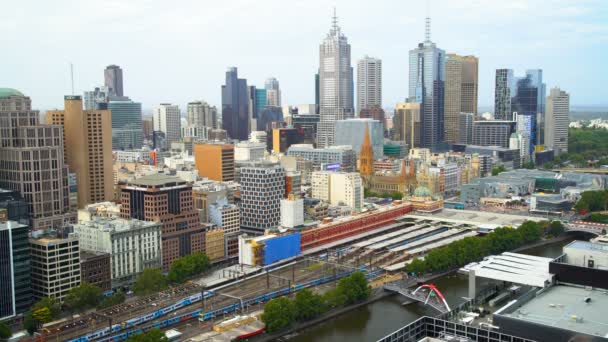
<point x="422" y="191"/>
<point x="8" y="92"/>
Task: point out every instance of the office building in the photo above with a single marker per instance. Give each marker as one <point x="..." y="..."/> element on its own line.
<point x="202" y="115"/>
<point x="113" y="80"/>
<point x="96" y="269"/>
<point x="167" y="119"/>
<point x="375" y="113"/>
<point x="148" y="127"/>
<point x="335" y="84"/>
<point x="127" y="126"/>
<point x="15" y="288"/>
<point x="273" y="92"/>
<point x="320" y="182"/>
<point x="293" y="184"/>
<point x="28" y="150"/>
<point x="466" y="128"/>
<point x="492" y="133"/>
<point x="262" y="188"/>
<point x="369" y="84"/>
<point x="215" y="241"/>
<point x="503" y="92"/>
<point x="168" y="200"/>
<point x="406" y="123"/>
<point x="350" y="132"/>
<point x="134" y="245"/>
<point x="308" y="124"/>
<point x="235" y="106"/>
<point x="557" y="120"/>
<point x="292" y="212"/>
<point x="344" y="156"/>
<point x="13" y="207"/>
<point x="248" y="150"/>
<point x="338" y="188"/>
<point x="55" y="266"/>
<point x="426" y="86"/>
<point x="460" y="92"/>
<point x="225" y="215"/>
<point x="88" y="148"/>
<point x="283" y="138"/>
<point x="260" y="100"/>
<point x="215" y="161"/>
<point x="96" y="99"/>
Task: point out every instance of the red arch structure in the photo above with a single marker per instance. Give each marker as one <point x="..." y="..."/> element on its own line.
<point x="433" y="289"/>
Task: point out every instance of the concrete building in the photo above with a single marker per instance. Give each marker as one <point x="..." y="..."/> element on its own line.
<point x="503" y="91"/>
<point x="273" y="92"/>
<point x="249" y="151"/>
<point x="466" y="128"/>
<point x="283" y="138"/>
<point x="113" y="80"/>
<point x="461" y="74"/>
<point x="201" y="115"/>
<point x="345" y="156"/>
<point x="338" y="187"/>
<point x="127" y="125"/>
<point x="167" y="119"/>
<point x="335" y="84"/>
<point x="215" y="161"/>
<point x="262" y="187"/>
<point x="492" y="133"/>
<point x="27" y="150"/>
<point x="557" y="120"/>
<point x="293" y="184"/>
<point x="369" y="83"/>
<point x="168" y="200"/>
<point x="96" y="269"/>
<point x="292" y="212"/>
<point x="235" y="106"/>
<point x="15" y="287"/>
<point x="320" y="182"/>
<point x="350" y="132"/>
<point x="96" y="99"/>
<point x="215" y="245"/>
<point x="203" y="195"/>
<point x="226" y="216"/>
<point x="500" y="155"/>
<point x="406" y="123"/>
<point x="134" y="245"/>
<point x="88" y="148"/>
<point x="55" y="266"/>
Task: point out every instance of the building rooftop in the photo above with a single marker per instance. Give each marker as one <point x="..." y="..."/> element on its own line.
<point x="157" y="180"/>
<point x="476" y="218"/>
<point x="8" y="92"/>
<point x="513" y="267"/>
<point x="114" y="224"/>
<point x="565" y="307"/>
<point x="588" y="246"/>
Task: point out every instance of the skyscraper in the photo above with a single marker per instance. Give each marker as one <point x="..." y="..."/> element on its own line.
<point x="88" y="148"/>
<point x="503" y="92"/>
<point x="262" y="188"/>
<point x="235" y="106"/>
<point x="369" y="83"/>
<point x="127" y="126"/>
<point x="201" y="115"/>
<point x="15" y="287"/>
<point x="407" y="123"/>
<point x="335" y="83"/>
<point x="113" y="80"/>
<point x="557" y="120"/>
<point x="460" y="92"/>
<point x="32" y="161"/>
<point x="529" y="100"/>
<point x="167" y="119"/>
<point x="97" y="98"/>
<point x="427" y="85"/>
<point x="273" y="92"/>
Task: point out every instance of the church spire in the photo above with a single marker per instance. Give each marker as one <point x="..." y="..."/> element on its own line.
<point x="366" y="156"/>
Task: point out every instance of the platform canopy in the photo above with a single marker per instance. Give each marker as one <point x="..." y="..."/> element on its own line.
<point x="513" y="267"/>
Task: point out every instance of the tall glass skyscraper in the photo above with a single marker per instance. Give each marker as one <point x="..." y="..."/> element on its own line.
<point x="503" y="91"/>
<point x="127" y="126"/>
<point x="113" y="80"/>
<point x="427" y="86"/>
<point x="335" y="84"/>
<point x="235" y="106"/>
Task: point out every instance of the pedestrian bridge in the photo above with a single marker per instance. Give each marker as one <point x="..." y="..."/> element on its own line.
<point x="427" y="294"/>
<point x="587" y="227"/>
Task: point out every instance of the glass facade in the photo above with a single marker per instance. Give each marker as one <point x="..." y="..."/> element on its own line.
<point x="235" y="106"/>
<point x="352" y="132"/>
<point x="127" y="126"/>
<point x="15" y="288"/>
<point x="529" y="100"/>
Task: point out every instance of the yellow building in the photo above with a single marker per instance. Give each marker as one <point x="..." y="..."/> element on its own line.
<point x="87" y="136"/>
<point x="214" y="245"/>
<point x="407" y="123"/>
<point x="423" y="200"/>
<point x="215" y="161"/>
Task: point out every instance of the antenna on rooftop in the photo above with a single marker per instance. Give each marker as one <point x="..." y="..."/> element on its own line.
<point x="427" y="28"/>
<point x="72" y="76"/>
<point x="334" y="20"/>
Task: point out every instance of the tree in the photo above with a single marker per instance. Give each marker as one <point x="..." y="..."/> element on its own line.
<point x="5" y="331"/>
<point x="42" y="315"/>
<point x="354" y="288"/>
<point x="153" y="335"/>
<point x="188" y="266"/>
<point x="29" y="323"/>
<point x="528" y="165"/>
<point x="149" y="281"/>
<point x="117" y="298"/>
<point x="308" y="305"/>
<point x="556" y="228"/>
<point x="498" y="169"/>
<point x="417" y="266"/>
<point x="83" y="297"/>
<point x="45" y="310"/>
<point x="278" y="313"/>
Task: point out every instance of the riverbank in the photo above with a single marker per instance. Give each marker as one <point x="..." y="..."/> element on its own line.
<point x="544" y="242"/>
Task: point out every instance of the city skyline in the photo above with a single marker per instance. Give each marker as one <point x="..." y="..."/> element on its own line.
<point x="566" y="31"/>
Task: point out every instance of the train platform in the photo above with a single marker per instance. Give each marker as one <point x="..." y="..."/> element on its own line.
<point x="226" y="274"/>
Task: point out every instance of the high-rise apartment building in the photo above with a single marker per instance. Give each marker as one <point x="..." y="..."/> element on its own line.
<point x="369" y="83"/>
<point x="350" y="132"/>
<point x="201" y="114"/>
<point x="557" y="120"/>
<point x="168" y="200"/>
<point x="406" y="123"/>
<point x="32" y="161"/>
<point x="338" y="187"/>
<point x="88" y="148"/>
<point x="460" y="92"/>
<point x="55" y="266"/>
<point x="262" y="188"/>
<point x="335" y="84"/>
<point x="127" y="126"/>
<point x="503" y="92"/>
<point x="492" y="132"/>
<point x="15" y="288"/>
<point x="215" y="161"/>
<point x="113" y="80"/>
<point x="235" y="106"/>
<point x="426" y="86"/>
<point x="167" y="119"/>
<point x="133" y="245"/>
<point x="273" y="92"/>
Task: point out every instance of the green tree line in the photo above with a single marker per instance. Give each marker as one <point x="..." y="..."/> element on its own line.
<point x="282" y="312"/>
<point x="591" y="201"/>
<point x="584" y="144"/>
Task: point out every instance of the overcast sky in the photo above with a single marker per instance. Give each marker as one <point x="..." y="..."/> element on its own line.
<point x="177" y="51"/>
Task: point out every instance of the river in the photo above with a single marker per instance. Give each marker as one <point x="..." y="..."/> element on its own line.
<point x="378" y="319"/>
